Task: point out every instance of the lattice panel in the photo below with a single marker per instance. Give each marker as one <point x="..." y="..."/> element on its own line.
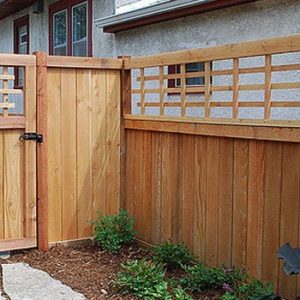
<point x="5" y="91"/>
<point x="151" y="89"/>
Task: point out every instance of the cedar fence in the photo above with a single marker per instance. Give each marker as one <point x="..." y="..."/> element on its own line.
<point x="215" y="164"/>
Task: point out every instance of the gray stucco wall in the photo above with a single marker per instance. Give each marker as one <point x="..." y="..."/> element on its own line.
<point x="262" y="19"/>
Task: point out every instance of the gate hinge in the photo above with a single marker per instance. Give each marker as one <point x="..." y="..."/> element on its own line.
<point x="32" y="136"/>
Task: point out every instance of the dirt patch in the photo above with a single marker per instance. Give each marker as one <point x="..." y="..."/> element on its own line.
<point x="83" y="267"/>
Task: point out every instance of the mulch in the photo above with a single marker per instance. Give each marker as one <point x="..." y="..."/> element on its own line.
<point x="87" y="269"/>
<point x="83" y="267"/>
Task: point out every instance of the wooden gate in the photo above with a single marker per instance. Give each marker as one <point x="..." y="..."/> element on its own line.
<point x="17" y="157"/>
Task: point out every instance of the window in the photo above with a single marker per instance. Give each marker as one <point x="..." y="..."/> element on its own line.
<point x="70" y="28"/>
<point x="191" y="67"/>
<point x="21" y="45"/>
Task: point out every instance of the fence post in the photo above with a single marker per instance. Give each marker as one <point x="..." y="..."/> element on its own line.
<point x="125" y="109"/>
<point x="42" y="191"/>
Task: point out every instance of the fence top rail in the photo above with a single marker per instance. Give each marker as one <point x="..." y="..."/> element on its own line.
<point x="12" y="60"/>
<point x="245" y="49"/>
<point x="84" y="62"/>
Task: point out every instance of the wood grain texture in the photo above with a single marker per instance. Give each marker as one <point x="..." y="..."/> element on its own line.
<point x="13" y="185"/>
<point x="232" y="201"/>
<point x="84" y="149"/>
<point x="54" y="155"/>
<point x="68" y="155"/>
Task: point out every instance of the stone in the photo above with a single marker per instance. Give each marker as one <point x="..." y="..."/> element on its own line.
<point x="5" y="255"/>
<point x="21" y="282"/>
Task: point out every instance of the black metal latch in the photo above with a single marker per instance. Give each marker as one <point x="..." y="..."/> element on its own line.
<point x="32" y="136"/>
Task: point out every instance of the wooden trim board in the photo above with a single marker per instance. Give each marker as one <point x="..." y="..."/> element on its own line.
<point x="222" y="130"/>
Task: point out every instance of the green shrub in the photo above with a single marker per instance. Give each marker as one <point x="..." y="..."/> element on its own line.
<point x="254" y="290"/>
<point x="181" y="294"/>
<point x="202" y="278"/>
<point x="143" y="279"/>
<point x="172" y="255"/>
<point x="113" y="231"/>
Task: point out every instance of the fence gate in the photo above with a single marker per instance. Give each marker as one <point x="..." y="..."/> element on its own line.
<point x="17" y="156"/>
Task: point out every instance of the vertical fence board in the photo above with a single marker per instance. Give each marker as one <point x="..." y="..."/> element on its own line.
<point x="84" y="170"/>
<point x="99" y="129"/>
<point x="289" y="230"/>
<point x="137" y="181"/>
<point x="68" y="150"/>
<point x="225" y="201"/>
<point x="255" y="206"/>
<point x="156" y="185"/>
<point x="212" y="201"/>
<point x="113" y="141"/>
<point x="239" y="234"/>
<point x="170" y="188"/>
<point x="13" y="185"/>
<point x="130" y="161"/>
<point x="54" y="155"/>
<point x="199" y="225"/>
<point x="272" y="192"/>
<point x="187" y="204"/>
<point x="147" y="188"/>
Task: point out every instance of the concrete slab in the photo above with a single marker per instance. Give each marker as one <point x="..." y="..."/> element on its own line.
<point x="21" y="282"/>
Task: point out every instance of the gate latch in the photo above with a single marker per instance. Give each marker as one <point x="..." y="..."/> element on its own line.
<point x="32" y="136"/>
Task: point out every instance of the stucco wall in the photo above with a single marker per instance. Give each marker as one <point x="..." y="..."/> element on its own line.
<point x="259" y="20"/>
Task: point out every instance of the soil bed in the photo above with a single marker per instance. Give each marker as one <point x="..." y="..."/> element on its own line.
<point x="83" y="267"/>
<point x="87" y="269"/>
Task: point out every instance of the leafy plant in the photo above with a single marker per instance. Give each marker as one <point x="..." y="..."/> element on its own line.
<point x="228" y="296"/>
<point x="202" y="278"/>
<point x="172" y="255"/>
<point x="254" y="290"/>
<point x="143" y="279"/>
<point x="181" y="294"/>
<point x="113" y="231"/>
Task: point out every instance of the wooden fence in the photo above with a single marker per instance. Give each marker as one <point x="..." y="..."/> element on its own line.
<point x="203" y="163"/>
<point x="229" y="187"/>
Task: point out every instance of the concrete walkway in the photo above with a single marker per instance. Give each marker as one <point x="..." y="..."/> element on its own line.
<point x="21" y="282"/>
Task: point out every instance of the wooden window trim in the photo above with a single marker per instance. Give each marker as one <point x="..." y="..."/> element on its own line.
<point x="23" y="21"/>
<point x="68" y="4"/>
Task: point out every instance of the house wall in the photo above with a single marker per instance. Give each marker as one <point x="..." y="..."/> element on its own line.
<point x="39" y="29"/>
<point x="258" y="20"/>
<point x="261" y="19"/>
<point x="253" y="21"/>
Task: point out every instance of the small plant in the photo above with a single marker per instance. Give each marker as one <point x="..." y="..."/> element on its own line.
<point x="202" y="278"/>
<point x="143" y="279"/>
<point x="113" y="231"/>
<point x="254" y="290"/>
<point x="172" y="255"/>
<point x="181" y="294"/>
<point x="228" y="296"/>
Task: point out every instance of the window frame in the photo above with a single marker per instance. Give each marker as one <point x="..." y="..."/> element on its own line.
<point x="172" y="83"/>
<point x="18" y="23"/>
<point x="67" y="33"/>
<point x="68" y="5"/>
